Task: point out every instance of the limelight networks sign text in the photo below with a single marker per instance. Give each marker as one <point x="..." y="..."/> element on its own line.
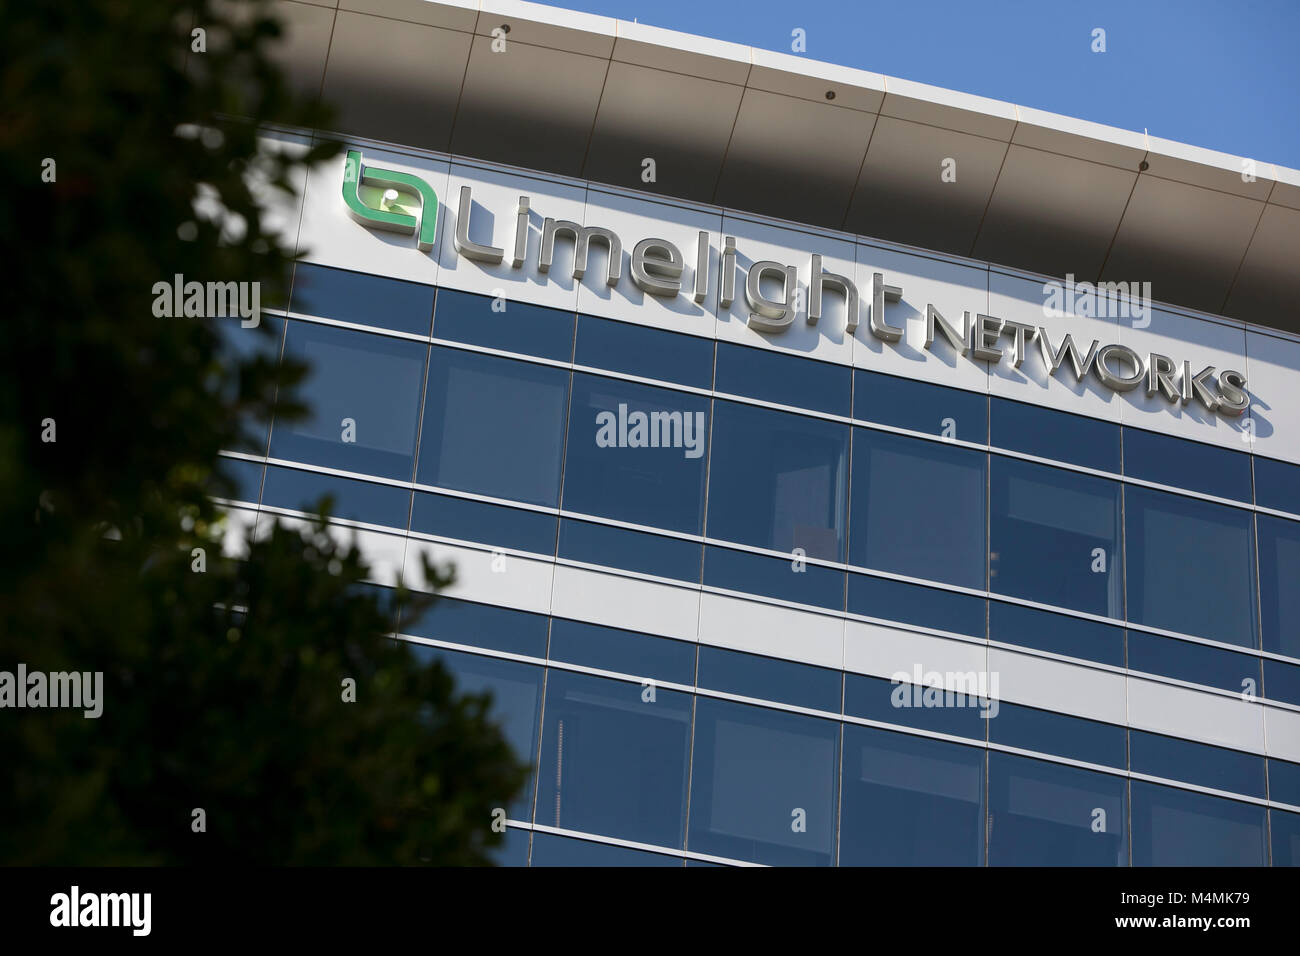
<point x="410" y="206"/>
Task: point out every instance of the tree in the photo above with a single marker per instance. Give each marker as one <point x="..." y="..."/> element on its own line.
<point x="224" y="681"/>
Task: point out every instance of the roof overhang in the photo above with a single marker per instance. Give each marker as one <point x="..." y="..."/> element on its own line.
<point x="593" y="97"/>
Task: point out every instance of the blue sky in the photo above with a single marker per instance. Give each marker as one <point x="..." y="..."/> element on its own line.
<point x="1223" y="75"/>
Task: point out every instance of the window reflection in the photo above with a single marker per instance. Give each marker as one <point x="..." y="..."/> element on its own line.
<point x="763" y="785"/>
<point x="1054" y="537"/>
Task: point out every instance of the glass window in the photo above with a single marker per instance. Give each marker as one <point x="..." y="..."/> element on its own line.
<point x="763" y="785"/>
<point x="1054" y="537"/>
<point x="1191" y="566"/>
<point x="1187" y="464"/>
<point x="920" y="407"/>
<point x="1281" y="681"/>
<point x="1028" y="728"/>
<point x="1045" y="814"/>
<point x="918" y="508"/>
<point x="630" y="550"/>
<point x="778" y="480"/>
<point x="362" y="299"/>
<point x="1277" y="484"/>
<point x="624" y="652"/>
<point x="613" y="762"/>
<point x="385" y="597"/>
<point x="516" y="694"/>
<point x="1047" y="433"/>
<point x="245" y="478"/>
<point x="240" y="346"/>
<point x="1284" y="782"/>
<point x="910" y="801"/>
<point x="774" y="577"/>
<point x="783" y="379"/>
<point x="552" y="850"/>
<point x="481" y="625"/>
<point x="1215" y="767"/>
<point x="636" y="453"/>
<point x="363" y="392"/>
<point x="908" y="704"/>
<point x="469" y="520"/>
<point x="493" y="426"/>
<point x="353" y="500"/>
<point x="1174" y="827"/>
<point x="1056" y="633"/>
<point x="906" y="603"/>
<point x="1286" y="837"/>
<point x="645" y="352"/>
<point x="750" y="675"/>
<point x="1279" y="572"/>
<point x="1196" y="663"/>
<point x="512" y="850"/>
<point x="504" y="324"/>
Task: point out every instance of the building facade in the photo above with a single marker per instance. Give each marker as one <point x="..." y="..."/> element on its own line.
<point x="965" y="531"/>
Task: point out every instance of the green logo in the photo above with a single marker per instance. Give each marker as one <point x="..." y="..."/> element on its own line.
<point x="387" y="199"/>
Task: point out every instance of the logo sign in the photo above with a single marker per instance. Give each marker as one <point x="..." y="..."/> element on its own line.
<point x="392" y="210"/>
<point x="387" y="199"/>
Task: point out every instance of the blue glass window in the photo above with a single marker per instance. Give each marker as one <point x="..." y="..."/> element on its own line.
<point x="363" y="392"/>
<point x="911" y="704"/>
<point x="910" y="801"/>
<point x="1054" y="537"/>
<point x="512" y="850"/>
<point x="1284" y="782"/>
<point x="552" y="850"/>
<point x="913" y="604"/>
<point x="1045" y="814"/>
<point x="763" y="786"/>
<point x="1187" y="464"/>
<point x="485" y="523"/>
<point x="624" y="652"/>
<point x="240" y="346"/>
<point x="1056" y="633"/>
<point x="516" y="694"/>
<point x="1215" y="767"/>
<point x="1277" y="484"/>
<point x="353" y="500"/>
<point x="481" y="625"/>
<point x="1279" y="572"/>
<point x="518" y="327"/>
<point x="918" y="508"/>
<point x="630" y="550"/>
<point x="613" y="762"/>
<point x="1281" y="681"/>
<point x="1028" y="728"/>
<point x="920" y="407"/>
<point x="362" y="299"/>
<point x="1196" y="663"/>
<point x="493" y="426"/>
<point x="783" y="379"/>
<point x="636" y="453"/>
<point x="774" y="577"/>
<point x="1285" y="828"/>
<point x="778" y="480"/>
<point x="245" y="479"/>
<point x="1047" y="433"/>
<point x="766" y="678"/>
<point x="1174" y="827"/>
<point x="644" y="352"/>
<point x="1191" y="566"/>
